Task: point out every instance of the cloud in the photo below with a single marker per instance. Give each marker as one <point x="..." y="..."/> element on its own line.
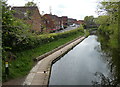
<point x="61" y="6"/>
<point x="72" y="8"/>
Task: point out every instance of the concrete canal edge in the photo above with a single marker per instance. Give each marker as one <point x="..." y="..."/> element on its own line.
<point x="40" y="73"/>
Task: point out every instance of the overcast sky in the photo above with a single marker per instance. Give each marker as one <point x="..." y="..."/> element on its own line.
<point x="77" y="9"/>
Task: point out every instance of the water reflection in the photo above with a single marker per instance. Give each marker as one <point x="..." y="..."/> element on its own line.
<point x="78" y="67"/>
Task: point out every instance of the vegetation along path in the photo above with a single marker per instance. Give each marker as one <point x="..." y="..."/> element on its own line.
<point x="24" y="62"/>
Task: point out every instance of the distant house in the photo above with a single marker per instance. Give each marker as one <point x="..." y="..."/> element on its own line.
<point x="61" y="23"/>
<point x="56" y="22"/>
<point x="48" y="22"/>
<point x="71" y="21"/>
<point x="31" y="15"/>
<point x="51" y="22"/>
<point x="65" y="21"/>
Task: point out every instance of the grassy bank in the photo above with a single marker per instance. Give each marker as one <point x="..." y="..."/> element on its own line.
<point x="24" y="60"/>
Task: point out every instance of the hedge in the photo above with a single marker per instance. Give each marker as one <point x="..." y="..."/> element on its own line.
<point x="33" y="41"/>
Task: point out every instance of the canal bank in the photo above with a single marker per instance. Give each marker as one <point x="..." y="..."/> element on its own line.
<point x="39" y="75"/>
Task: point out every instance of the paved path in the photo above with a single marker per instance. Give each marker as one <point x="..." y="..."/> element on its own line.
<point x="39" y="75"/>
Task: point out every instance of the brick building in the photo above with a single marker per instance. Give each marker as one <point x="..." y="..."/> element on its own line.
<point x="71" y="21"/>
<point x="47" y="22"/>
<point x="51" y="22"/>
<point x="61" y="23"/>
<point x="56" y="21"/>
<point x="65" y="21"/>
<point x="31" y="15"/>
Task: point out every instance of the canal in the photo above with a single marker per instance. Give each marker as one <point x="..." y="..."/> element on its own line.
<point x="79" y="66"/>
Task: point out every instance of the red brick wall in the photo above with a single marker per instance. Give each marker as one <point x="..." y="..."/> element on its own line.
<point x="36" y="21"/>
<point x="50" y="21"/>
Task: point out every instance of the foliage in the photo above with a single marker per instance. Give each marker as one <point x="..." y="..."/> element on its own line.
<point x="109" y="36"/>
<point x="45" y="38"/>
<point x="30" y="4"/>
<point x="15" y="31"/>
<point x="90" y="22"/>
<point x="109" y="22"/>
<point x="102" y="20"/>
<point x="87" y="33"/>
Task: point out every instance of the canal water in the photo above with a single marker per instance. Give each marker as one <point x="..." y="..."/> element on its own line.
<point x="78" y="66"/>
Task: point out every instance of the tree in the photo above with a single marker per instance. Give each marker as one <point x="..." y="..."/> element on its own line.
<point x="90" y="22"/>
<point x="30" y="4"/>
<point x="15" y="32"/>
<point x="110" y="28"/>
